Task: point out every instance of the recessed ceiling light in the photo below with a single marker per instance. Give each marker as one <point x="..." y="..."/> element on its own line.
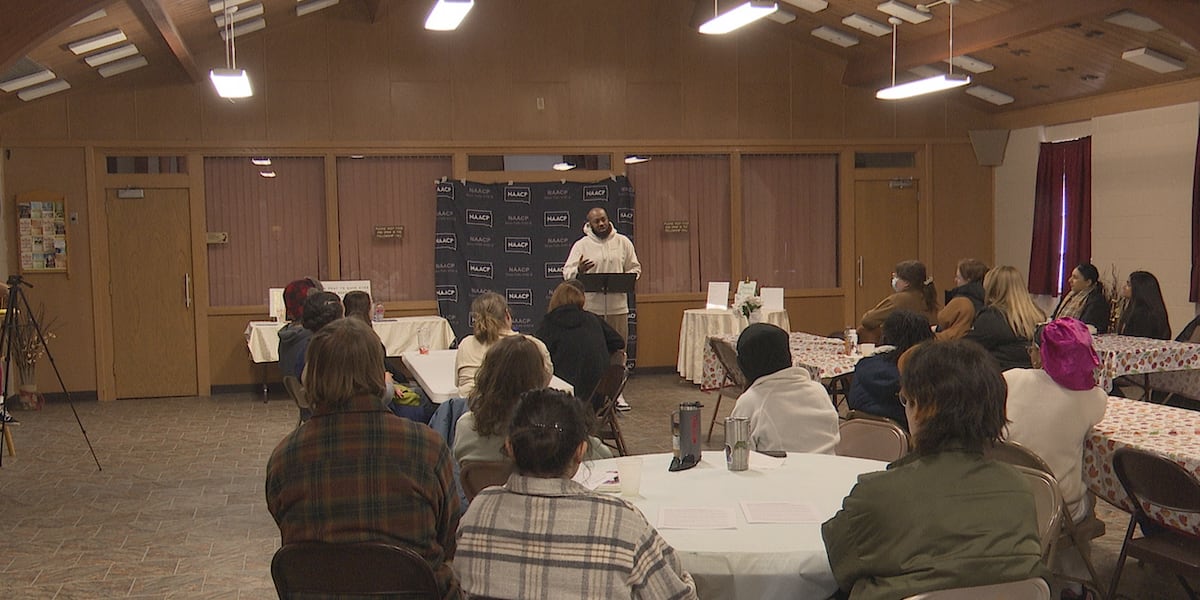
<point x="267" y="174"/>
<point x="34" y="93"/>
<point x="1132" y="20"/>
<point x="971" y="64"/>
<point x="239" y="14"/>
<point x="103" y="58"/>
<point x="260" y="161"/>
<point x="904" y="11"/>
<point x="244" y="28"/>
<point x="1155" y="61"/>
<point x="987" y="94"/>
<point x="97" y="42"/>
<point x="357" y="156"/>
<point x="866" y="25"/>
<point x="782" y="16"/>
<point x="834" y="36"/>
<point x="563" y="166"/>
<point x="809" y="5"/>
<point x="312" y="6"/>
<point x="122" y="66"/>
<point x="925" y="71"/>
<point x="216" y="6"/>
<point x="634" y="159"/>
<point x="25" y="81"/>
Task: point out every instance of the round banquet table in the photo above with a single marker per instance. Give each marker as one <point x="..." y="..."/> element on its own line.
<point x="699" y="323"/>
<point x="753" y="561"/>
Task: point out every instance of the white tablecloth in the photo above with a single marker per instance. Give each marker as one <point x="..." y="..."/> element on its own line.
<point x="398" y="335"/>
<point x="699" y="323"/>
<point x="435" y="373"/>
<point x="753" y="561"/>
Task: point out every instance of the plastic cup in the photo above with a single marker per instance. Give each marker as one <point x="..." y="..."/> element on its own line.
<point x="423" y="340"/>
<point x="629" y="469"/>
<point x="866" y="349"/>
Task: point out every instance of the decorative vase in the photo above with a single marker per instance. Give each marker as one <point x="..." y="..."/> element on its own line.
<point x="756" y="316"/>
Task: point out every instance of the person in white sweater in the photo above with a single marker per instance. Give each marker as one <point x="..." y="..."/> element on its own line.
<point x="787" y="409"/>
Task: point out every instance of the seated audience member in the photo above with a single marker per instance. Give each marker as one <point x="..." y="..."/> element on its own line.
<point x="1086" y="300"/>
<point x="356" y="473"/>
<point x="1145" y="315"/>
<point x="875" y="388"/>
<point x="1006" y="325"/>
<point x="511" y="367"/>
<point x="787" y="409"/>
<point x="358" y="304"/>
<point x="320" y="309"/>
<point x="293" y="336"/>
<point x="943" y="516"/>
<point x="912" y="290"/>
<point x="1052" y="411"/>
<point x="492" y="322"/>
<point x="542" y="535"/>
<point x="581" y="343"/>
<point x="963" y="302"/>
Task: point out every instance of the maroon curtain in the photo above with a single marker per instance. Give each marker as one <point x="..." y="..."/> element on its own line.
<point x="1194" y="294"/>
<point x="1064" y="176"/>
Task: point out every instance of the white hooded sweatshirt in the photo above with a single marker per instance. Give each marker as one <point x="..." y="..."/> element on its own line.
<point x="613" y="254"/>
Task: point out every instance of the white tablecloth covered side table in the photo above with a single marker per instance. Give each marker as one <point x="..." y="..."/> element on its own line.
<point x="754" y="561"/>
<point x="435" y="372"/>
<point x="699" y="323"/>
<point x="398" y="335"/>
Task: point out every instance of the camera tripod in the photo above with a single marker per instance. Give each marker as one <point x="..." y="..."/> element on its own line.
<point x="9" y="344"/>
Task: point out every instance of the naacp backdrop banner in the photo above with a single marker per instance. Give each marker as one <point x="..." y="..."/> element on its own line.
<point x="513" y="239"/>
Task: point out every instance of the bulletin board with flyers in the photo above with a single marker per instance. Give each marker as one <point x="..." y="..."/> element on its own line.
<point x="42" y="232"/>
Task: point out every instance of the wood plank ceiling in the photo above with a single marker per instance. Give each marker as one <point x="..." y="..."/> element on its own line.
<point x="1042" y="51"/>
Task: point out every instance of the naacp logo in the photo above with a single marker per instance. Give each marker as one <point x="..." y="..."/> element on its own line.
<point x="447" y="293"/>
<point x="554" y="270"/>
<point x="478" y="190"/>
<point x="482" y="218"/>
<point x="479" y="268"/>
<point x="445" y="214"/>
<point x="445" y="190"/>
<point x="624" y="215"/>
<point x="517" y="220"/>
<point x="595" y="193"/>
<point x="558" y="242"/>
<point x="517" y="194"/>
<point x="557" y="193"/>
<point x="632" y="318"/>
<point x="519" y="296"/>
<point x="445" y="241"/>
<point x="477" y="292"/>
<point x="443" y="267"/>
<point x="519" y="271"/>
<point x="557" y="218"/>
<point x="480" y="240"/>
<point x="522" y="323"/>
<point x="518" y="245"/>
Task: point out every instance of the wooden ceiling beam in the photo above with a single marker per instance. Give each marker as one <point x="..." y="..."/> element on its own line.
<point x="170" y="34"/>
<point x="24" y="24"/>
<point x="977" y="35"/>
<point x="1179" y="17"/>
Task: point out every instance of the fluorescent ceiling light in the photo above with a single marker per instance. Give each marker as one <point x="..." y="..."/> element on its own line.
<point x="866" y="25"/>
<point x="1132" y="20"/>
<point x="446" y="15"/>
<point x="925" y="71"/>
<point x="122" y="66"/>
<point x="738" y="16"/>
<point x="562" y="166"/>
<point x="923" y="86"/>
<point x="312" y="6"/>
<point x="809" y="5"/>
<point x="1155" y="61"/>
<point x="634" y="159"/>
<point x="260" y="162"/>
<point x="218" y="6"/>
<point x="267" y="174"/>
<point x="782" y="16"/>
<point x="357" y="156"/>
<point x="34" y="93"/>
<point x="97" y="42"/>
<point x="971" y="64"/>
<point x="240" y="14"/>
<point x="834" y="36"/>
<point x="987" y="94"/>
<point x="15" y="84"/>
<point x="244" y="28"/>
<point x="100" y="14"/>
<point x="231" y="83"/>
<point x="103" y="58"/>
<point x="904" y="11"/>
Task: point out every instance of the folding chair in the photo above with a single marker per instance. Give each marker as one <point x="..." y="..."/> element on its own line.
<point x="1047" y="498"/>
<point x="1150" y="479"/>
<point x="727" y="356"/>
<point x="478" y="474"/>
<point x="604" y="400"/>
<point x="877" y="438"/>
<point x="1026" y="589"/>
<point x="296" y="390"/>
<point x="357" y="569"/>
<point x="1073" y="534"/>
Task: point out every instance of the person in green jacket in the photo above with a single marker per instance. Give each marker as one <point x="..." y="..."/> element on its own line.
<point x="943" y="516"/>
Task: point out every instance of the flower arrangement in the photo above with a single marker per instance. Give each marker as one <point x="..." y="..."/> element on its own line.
<point x="1116" y="304"/>
<point x="28" y="348"/>
<point x="749" y="305"/>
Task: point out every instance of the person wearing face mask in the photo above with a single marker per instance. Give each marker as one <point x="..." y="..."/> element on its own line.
<point x="603" y="250"/>
<point x="912" y="290"/>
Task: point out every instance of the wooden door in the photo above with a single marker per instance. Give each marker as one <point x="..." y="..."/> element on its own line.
<point x="153" y="321"/>
<point x="885" y="233"/>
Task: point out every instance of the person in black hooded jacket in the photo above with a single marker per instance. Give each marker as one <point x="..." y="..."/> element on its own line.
<point x="581" y="344"/>
<point x="964" y="301"/>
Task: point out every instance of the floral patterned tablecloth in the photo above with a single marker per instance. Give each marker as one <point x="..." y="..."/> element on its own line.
<point x="700" y="323"/>
<point x="1165" y="430"/>
<point x="823" y="357"/>
<point x="1174" y="366"/>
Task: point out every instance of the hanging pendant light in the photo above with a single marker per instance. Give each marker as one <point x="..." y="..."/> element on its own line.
<point x="230" y="82"/>
<point x="737" y="17"/>
<point x="928" y="85"/>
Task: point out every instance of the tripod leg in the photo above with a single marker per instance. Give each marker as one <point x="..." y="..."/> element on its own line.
<point x="8" y="441"/>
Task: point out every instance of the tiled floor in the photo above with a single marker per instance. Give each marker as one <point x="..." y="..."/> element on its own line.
<point x="178" y="510"/>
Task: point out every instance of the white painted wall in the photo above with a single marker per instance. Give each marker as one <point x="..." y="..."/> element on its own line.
<point x="1142" y="166"/>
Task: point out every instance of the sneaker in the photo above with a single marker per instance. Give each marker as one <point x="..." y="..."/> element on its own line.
<point x="7" y="418"/>
<point x="622" y="405"/>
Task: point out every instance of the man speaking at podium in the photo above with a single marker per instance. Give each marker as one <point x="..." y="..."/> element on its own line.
<point x="603" y="250"/>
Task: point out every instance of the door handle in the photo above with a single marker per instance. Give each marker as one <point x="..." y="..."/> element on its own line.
<point x="860" y="271"/>
<point x="187" y="290"/>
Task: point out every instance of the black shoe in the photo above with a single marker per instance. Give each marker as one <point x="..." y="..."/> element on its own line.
<point x="7" y="418"/>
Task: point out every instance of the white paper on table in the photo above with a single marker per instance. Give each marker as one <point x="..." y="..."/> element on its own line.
<point x="601" y="481"/>
<point x="275" y="306"/>
<point x="760" y="461"/>
<point x="772" y="298"/>
<point x="780" y="512"/>
<point x="718" y="295"/>
<point x="696" y="517"/>
<point x="745" y="289"/>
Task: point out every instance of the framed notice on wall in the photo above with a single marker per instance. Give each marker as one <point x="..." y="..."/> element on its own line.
<point x="42" y="232"/>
